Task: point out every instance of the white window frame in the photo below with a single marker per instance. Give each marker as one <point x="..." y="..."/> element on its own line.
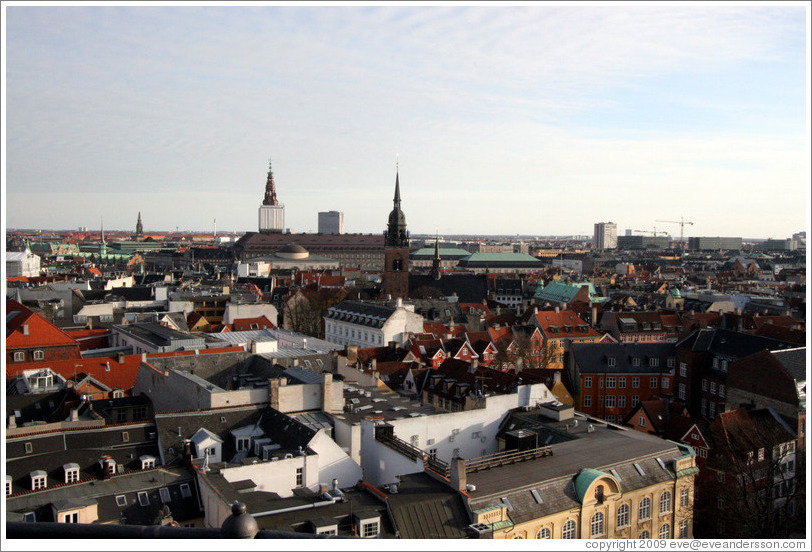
<point x="39" y="354"/>
<point x="623" y="516"/>
<point x="544" y="533"/>
<point x="684" y="497"/>
<point x="185" y="490"/>
<point x="39" y="482"/>
<point x="587" y="401"/>
<point x="665" y="531"/>
<point x="72" y="475"/>
<point x="370" y="529"/>
<point x="70" y="517"/>
<point x="19" y="356"/>
<point x="143" y="498"/>
<point x="665" y="502"/>
<point x="683" y="370"/>
<point x="644" y="509"/>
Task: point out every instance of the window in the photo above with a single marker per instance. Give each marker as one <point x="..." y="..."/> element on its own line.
<point x="599" y="494"/>
<point x="369" y="530"/>
<point x="635" y="400"/>
<point x="704" y="384"/>
<point x="544" y="533"/>
<point x="671" y="361"/>
<point x="665" y="531"/>
<point x="72" y="517"/>
<point x="139" y="413"/>
<point x="636" y="383"/>
<point x="185" y="491"/>
<point x="704" y="407"/>
<point x="143" y="498"/>
<point x="29" y="448"/>
<point x="147" y="462"/>
<point x="587" y="382"/>
<point x="641" y="421"/>
<point x="610" y="401"/>
<point x="121" y="416"/>
<point x="644" y="512"/>
<point x="684" y="496"/>
<point x="72" y="475"/>
<point x="19" y="356"/>
<point x="653" y="383"/>
<point x="636" y="361"/>
<point x="121" y="501"/>
<point x="712" y="409"/>
<point x="568" y="531"/>
<point x="587" y="400"/>
<point x="164" y="494"/>
<point x="596" y="527"/>
<point x="645" y="535"/>
<point x="243" y="443"/>
<point x="611" y="382"/>
<point x="683" y="370"/>
<point x="621" y="383"/>
<point x="713" y="388"/>
<point x="721" y="390"/>
<point x="623" y="515"/>
<point x="654" y="362"/>
<point x="621" y="401"/>
<point x="39" y="355"/>
<point x="665" y="502"/>
<point x="683" y="529"/>
<point x="761" y="454"/>
<point x="299" y="476"/>
<point x="39" y="480"/>
<point x="682" y="391"/>
<point x="125" y="437"/>
<point x="665" y="383"/>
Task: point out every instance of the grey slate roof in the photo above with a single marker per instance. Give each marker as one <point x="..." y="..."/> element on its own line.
<point x="365" y="314"/>
<point x="592" y="358"/>
<point x="730" y="343"/>
<point x="794" y="361"/>
<point x="424" y="508"/>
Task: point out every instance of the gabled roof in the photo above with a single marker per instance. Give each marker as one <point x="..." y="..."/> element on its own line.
<point x="564" y="320"/>
<point x="40" y="331"/>
<point x="729" y="343"/>
<point x="106" y="370"/>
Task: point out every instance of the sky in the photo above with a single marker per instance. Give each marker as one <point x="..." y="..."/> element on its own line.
<point x="533" y="119"/>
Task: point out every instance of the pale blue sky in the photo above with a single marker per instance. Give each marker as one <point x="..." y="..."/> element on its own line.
<point x="533" y="119"/>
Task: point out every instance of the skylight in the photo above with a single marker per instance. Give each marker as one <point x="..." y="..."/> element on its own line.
<point x="536" y="495"/>
<point x="639" y="469"/>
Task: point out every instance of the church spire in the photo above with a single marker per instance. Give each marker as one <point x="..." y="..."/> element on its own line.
<point x="270" y="188"/>
<point x="139" y="228"/>
<point x="435" y="263"/>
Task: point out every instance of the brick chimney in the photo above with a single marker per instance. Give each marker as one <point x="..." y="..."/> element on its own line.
<point x="459" y="479"/>
<point x="326" y="392"/>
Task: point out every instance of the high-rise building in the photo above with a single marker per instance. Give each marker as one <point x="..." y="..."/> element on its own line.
<point x="605" y="235"/>
<point x="331" y="222"/>
<point x="395" y="280"/>
<point x="271" y="213"/>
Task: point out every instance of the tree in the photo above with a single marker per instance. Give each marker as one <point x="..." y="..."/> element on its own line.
<point x="749" y="488"/>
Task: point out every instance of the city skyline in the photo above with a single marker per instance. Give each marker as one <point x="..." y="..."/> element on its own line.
<point x="530" y="119"/>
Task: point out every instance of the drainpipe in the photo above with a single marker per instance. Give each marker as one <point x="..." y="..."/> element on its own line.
<point x="328" y="500"/>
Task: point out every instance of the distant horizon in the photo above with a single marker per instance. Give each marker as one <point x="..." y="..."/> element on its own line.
<point x="413" y="234"/>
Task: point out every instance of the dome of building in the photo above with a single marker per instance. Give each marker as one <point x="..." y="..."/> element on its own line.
<point x="293" y="251"/>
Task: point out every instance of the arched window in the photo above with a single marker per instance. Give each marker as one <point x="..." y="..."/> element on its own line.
<point x="645" y="535"/>
<point x="568" y="532"/>
<point x="597" y="524"/>
<point x="645" y="509"/>
<point x="665" y="502"/>
<point x="665" y="531"/>
<point x="599" y="494"/>
<point x="518" y="537"/>
<point x="544" y="533"/>
<point x="623" y="515"/>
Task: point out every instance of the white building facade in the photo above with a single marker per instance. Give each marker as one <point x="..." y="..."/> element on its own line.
<point x="371" y="325"/>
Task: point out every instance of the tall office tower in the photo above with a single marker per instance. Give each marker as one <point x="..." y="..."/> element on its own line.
<point x="271" y="213"/>
<point x="605" y="235"/>
<point x="628" y="231"/>
<point x="331" y="222"/>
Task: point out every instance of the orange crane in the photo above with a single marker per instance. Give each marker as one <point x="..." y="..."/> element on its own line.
<point x="682" y="222"/>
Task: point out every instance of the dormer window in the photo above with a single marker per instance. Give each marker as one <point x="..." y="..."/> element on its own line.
<point x="653" y="362"/>
<point x="635" y="361"/>
<point x="71" y="472"/>
<point x="610" y="361"/>
<point x="19" y="356"/>
<point x="599" y="494"/>
<point x="243" y="443"/>
<point x="39" y="355"/>
<point x="147" y="462"/>
<point x="8" y="485"/>
<point x="369" y="528"/>
<point x="39" y="480"/>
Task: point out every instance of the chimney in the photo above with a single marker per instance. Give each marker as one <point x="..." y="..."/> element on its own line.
<point x="594" y="315"/>
<point x="474" y="365"/>
<point x="557" y="376"/>
<point x="25" y="329"/>
<point x="556" y="308"/>
<point x="458" y="477"/>
<point x="74" y="414"/>
<point x="373" y="364"/>
<point x="121" y="358"/>
<point x="273" y="393"/>
<point x="143" y="357"/>
<point x="12" y="421"/>
<point x="352" y="354"/>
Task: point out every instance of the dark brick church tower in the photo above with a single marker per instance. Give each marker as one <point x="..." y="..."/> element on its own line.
<point x="396" y="253"/>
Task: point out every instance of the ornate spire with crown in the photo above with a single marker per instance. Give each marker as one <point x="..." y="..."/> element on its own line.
<point x="396" y="235"/>
<point x="270" y="188"/>
<point x="139" y="228"/>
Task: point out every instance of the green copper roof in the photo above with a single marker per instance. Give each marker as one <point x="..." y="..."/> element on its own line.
<point x="502" y="525"/>
<point x="584" y="479"/>
<point x="444" y="252"/>
<point x="563" y="293"/>
<point x="504" y="257"/>
<point x="675" y="293"/>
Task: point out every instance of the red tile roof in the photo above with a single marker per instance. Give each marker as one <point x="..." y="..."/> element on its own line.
<point x="545" y="319"/>
<point x="40" y="331"/>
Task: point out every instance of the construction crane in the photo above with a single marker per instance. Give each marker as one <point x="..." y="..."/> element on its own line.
<point x="682" y="222"/>
<point x="654" y="233"/>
